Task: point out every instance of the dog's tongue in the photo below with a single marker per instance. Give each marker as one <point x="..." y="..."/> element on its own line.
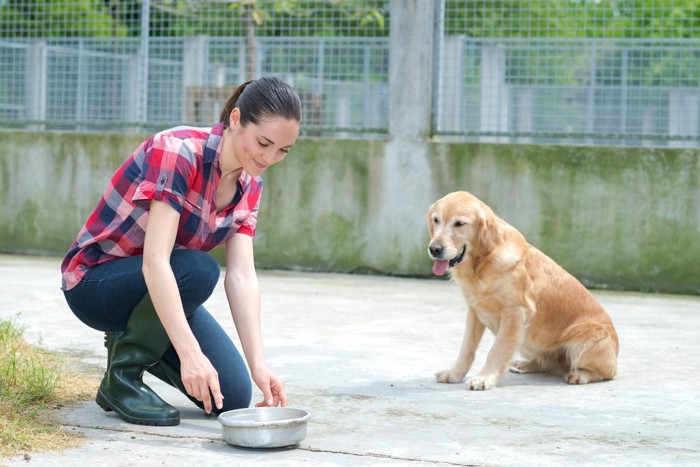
<point x="440" y="267"/>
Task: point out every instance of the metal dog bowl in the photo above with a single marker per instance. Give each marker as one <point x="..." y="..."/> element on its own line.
<point x="264" y="427"/>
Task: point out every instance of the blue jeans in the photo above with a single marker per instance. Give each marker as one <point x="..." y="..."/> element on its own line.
<point x="109" y="292"/>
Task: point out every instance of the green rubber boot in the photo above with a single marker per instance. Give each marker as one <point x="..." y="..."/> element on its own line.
<point x="129" y="354"/>
<point x="165" y="372"/>
<point x="162" y="370"/>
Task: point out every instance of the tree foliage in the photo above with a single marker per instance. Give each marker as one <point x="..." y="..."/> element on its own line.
<point x="638" y="19"/>
<point x="57" y="18"/>
<point x="651" y="19"/>
<point x="104" y="18"/>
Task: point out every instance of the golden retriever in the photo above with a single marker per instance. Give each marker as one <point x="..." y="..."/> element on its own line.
<point x="530" y="303"/>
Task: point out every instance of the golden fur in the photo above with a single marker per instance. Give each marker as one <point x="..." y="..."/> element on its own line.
<point x="530" y="303"/>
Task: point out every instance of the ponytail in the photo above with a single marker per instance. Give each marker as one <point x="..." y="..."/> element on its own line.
<point x="260" y="98"/>
<point x="231" y="103"/>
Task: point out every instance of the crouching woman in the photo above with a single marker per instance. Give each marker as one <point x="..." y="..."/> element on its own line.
<point x="139" y="269"/>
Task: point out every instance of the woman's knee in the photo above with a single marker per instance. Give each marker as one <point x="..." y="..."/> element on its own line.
<point x="196" y="273"/>
<point x="236" y="396"/>
<point x="235" y="384"/>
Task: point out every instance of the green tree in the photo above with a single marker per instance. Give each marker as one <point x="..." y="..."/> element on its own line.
<point x="57" y="18"/>
<point x="638" y="19"/>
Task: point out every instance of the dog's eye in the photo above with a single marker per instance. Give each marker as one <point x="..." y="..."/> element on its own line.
<point x="435" y="220"/>
<point x="459" y="224"/>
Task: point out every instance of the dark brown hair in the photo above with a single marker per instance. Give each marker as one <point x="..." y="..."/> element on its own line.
<point x="263" y="97"/>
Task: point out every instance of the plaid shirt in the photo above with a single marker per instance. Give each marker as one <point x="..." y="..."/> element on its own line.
<point x="179" y="166"/>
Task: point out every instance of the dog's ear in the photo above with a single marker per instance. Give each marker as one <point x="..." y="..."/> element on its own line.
<point x="429" y="220"/>
<point x="486" y="235"/>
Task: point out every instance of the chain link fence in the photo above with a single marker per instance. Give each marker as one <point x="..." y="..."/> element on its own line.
<point x="567" y="71"/>
<point x="596" y="72"/>
<point x="143" y="65"/>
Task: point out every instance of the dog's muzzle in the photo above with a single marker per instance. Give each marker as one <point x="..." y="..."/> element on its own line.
<point x="442" y="265"/>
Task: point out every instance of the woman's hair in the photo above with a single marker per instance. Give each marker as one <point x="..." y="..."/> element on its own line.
<point x="260" y="98"/>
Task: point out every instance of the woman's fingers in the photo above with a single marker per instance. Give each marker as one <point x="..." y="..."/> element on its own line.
<point x="216" y="392"/>
<point x="273" y="393"/>
<point x="205" y="388"/>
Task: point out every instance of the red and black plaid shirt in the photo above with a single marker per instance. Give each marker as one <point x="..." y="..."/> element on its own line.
<point x="179" y="166"/>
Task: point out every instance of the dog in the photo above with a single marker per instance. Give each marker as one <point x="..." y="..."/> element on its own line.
<point x="530" y="303"/>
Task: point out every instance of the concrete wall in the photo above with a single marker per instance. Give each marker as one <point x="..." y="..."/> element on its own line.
<point x="616" y="218"/>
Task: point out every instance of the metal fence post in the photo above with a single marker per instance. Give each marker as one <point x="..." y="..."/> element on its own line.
<point x="449" y="96"/>
<point x="145" y="44"/>
<point x="683" y="115"/>
<point x="36" y="104"/>
<point x="494" y="92"/>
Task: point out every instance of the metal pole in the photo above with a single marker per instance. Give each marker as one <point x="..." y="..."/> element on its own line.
<point x="438" y="71"/>
<point x="145" y="20"/>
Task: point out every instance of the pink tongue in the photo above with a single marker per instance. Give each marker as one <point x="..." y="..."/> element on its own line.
<point x="440" y="266"/>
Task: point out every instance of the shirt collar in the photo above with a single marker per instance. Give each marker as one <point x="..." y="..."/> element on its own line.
<point x="213" y="146"/>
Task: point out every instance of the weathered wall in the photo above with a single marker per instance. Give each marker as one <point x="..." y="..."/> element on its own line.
<point x="616" y="218"/>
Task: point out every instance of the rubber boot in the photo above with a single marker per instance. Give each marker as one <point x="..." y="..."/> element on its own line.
<point x="162" y="370"/>
<point x="165" y="372"/>
<point x="129" y="354"/>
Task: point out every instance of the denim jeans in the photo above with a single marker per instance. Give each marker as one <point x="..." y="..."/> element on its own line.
<point x="109" y="292"/>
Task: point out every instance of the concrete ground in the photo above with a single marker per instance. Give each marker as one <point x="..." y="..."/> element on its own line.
<point x="359" y="353"/>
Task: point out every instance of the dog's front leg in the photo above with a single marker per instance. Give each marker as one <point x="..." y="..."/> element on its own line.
<point x="473" y="332"/>
<point x="509" y="337"/>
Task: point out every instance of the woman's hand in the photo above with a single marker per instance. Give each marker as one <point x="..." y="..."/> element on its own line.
<point x="271" y="387"/>
<point x="199" y="378"/>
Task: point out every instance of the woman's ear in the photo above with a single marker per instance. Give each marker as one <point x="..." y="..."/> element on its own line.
<point x="234" y="118"/>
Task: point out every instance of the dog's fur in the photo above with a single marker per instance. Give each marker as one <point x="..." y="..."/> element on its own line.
<point x="530" y="303"/>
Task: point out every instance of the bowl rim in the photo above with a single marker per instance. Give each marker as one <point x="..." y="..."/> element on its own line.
<point x="293" y="421"/>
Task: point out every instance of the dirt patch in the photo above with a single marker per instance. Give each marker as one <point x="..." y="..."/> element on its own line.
<point x="77" y="383"/>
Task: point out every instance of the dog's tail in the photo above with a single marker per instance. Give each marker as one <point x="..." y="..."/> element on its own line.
<point x="593" y="345"/>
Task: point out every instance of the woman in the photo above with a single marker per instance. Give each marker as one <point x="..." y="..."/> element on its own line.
<point x="140" y="272"/>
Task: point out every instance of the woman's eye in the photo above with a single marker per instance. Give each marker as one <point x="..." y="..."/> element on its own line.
<point x="264" y="145"/>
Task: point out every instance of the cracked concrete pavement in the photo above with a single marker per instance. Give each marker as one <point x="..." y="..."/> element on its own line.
<point x="359" y="352"/>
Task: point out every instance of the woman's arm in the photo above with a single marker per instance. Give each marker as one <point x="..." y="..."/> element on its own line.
<point x="243" y="293"/>
<point x="197" y="373"/>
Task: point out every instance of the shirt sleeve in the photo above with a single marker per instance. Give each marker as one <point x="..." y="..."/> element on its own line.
<point x="167" y="169"/>
<point x="249" y="224"/>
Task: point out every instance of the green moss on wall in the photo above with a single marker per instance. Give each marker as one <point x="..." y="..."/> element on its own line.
<point x="622" y="218"/>
<point x="614" y="217"/>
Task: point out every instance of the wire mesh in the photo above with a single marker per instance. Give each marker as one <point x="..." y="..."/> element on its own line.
<point x="566" y="71"/>
<point x="147" y="64"/>
<point x="571" y="71"/>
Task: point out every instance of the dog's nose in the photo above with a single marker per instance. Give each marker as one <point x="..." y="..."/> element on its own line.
<point x="436" y="250"/>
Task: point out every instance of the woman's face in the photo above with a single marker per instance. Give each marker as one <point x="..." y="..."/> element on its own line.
<point x="258" y="146"/>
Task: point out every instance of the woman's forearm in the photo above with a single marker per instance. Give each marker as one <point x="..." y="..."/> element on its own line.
<point x="160" y="280"/>
<point x="164" y="293"/>
<point x="243" y="293"/>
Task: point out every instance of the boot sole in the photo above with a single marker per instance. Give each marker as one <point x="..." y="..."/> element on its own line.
<point x="107" y="406"/>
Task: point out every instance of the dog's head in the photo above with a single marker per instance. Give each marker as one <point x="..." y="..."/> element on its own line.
<point x="460" y="226"/>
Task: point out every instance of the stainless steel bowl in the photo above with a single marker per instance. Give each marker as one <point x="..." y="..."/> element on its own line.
<point x="264" y="427"/>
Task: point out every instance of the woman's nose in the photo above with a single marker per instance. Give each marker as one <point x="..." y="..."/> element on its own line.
<point x="272" y="156"/>
<point x="265" y="157"/>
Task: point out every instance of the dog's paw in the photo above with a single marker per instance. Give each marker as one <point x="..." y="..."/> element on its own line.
<point x="448" y="376"/>
<point x="577" y="377"/>
<point x="482" y="383"/>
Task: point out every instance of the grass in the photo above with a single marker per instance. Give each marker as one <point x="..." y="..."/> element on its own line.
<point x="34" y="385"/>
